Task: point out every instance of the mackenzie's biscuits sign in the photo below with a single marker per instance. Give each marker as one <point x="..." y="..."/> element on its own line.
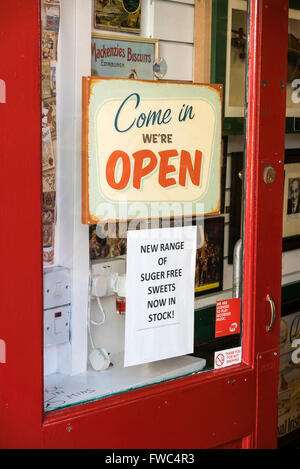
<point x="150" y="147"/>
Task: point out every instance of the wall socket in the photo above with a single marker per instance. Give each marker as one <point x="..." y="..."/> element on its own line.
<point x="103" y="273"/>
<point x="57" y="307"/>
<point x="112" y="266"/>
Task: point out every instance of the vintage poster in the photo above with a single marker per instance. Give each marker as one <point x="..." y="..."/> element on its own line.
<point x="48" y="256"/>
<point x="123" y="57"/>
<point x="49" y="45"/>
<point x="48" y="226"/>
<point x="49" y="200"/>
<point x="118" y="15"/>
<point x="46" y="82"/>
<point x="159" y="321"/>
<point x="53" y="77"/>
<point x="49" y="181"/>
<point x="48" y="235"/>
<point x="52" y="17"/>
<point x="145" y="144"/>
<point x="49" y="115"/>
<point x="48" y="159"/>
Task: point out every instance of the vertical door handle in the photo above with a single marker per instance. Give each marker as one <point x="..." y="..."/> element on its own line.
<point x="237" y="270"/>
<point x="273" y="312"/>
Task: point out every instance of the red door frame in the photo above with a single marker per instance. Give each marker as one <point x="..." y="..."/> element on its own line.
<point x="184" y="413"/>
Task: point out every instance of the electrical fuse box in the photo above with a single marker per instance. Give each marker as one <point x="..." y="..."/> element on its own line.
<point x="56" y="325"/>
<point x="57" y="308"/>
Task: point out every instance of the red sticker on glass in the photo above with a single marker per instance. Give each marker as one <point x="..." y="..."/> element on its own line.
<point x="228" y="317"/>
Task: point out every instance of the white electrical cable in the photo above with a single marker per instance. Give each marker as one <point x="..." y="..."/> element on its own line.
<point x="91" y="321"/>
<point x="89" y="325"/>
<point x="96" y="323"/>
<point x="98" y="357"/>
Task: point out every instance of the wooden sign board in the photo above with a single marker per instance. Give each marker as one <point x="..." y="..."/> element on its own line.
<point x="149" y="147"/>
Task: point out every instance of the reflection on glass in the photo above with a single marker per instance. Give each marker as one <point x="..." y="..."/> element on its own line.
<point x="293" y="65"/>
<point x="238" y="58"/>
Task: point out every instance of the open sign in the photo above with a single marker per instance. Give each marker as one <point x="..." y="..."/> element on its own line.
<point x="150" y="143"/>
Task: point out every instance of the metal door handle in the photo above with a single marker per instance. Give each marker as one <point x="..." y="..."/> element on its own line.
<point x="237" y="270"/>
<point x="273" y="312"/>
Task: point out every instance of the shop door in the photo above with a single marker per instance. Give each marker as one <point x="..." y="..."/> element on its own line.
<point x="234" y="407"/>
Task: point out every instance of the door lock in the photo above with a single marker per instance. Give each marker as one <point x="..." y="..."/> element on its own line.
<point x="269" y="175"/>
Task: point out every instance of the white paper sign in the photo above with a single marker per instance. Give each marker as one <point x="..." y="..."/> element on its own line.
<point x="159" y="294"/>
<point x="228" y="357"/>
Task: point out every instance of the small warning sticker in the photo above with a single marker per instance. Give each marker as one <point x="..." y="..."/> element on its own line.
<point x="228" y="357"/>
<point x="228" y="314"/>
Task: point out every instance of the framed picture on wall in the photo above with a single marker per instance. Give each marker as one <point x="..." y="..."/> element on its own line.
<point x="209" y="256"/>
<point x="229" y="61"/>
<point x="291" y="201"/>
<point x="235" y="208"/>
<point x="123" y="57"/>
<point x="118" y="15"/>
<point x="236" y="58"/>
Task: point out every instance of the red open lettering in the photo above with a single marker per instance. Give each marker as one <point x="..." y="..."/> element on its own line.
<point x="140" y="171"/>
<point x="145" y="162"/>
<point x="166" y="168"/>
<point x="186" y="165"/>
<point x="111" y="170"/>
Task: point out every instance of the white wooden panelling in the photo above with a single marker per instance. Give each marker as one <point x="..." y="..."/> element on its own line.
<point x="190" y="2"/>
<point x="290" y="261"/>
<point x="292" y="141"/>
<point x="290" y="278"/>
<point x="147" y="18"/>
<point x="173" y="21"/>
<point x="210" y="300"/>
<point x="179" y="58"/>
<point x="73" y="237"/>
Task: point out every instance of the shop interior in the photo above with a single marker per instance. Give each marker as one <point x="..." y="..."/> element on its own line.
<point x="84" y="272"/>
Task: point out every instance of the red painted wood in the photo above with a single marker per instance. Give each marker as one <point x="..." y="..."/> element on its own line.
<point x="263" y="209"/>
<point x="201" y="411"/>
<point x="20" y="234"/>
<point x="206" y="410"/>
